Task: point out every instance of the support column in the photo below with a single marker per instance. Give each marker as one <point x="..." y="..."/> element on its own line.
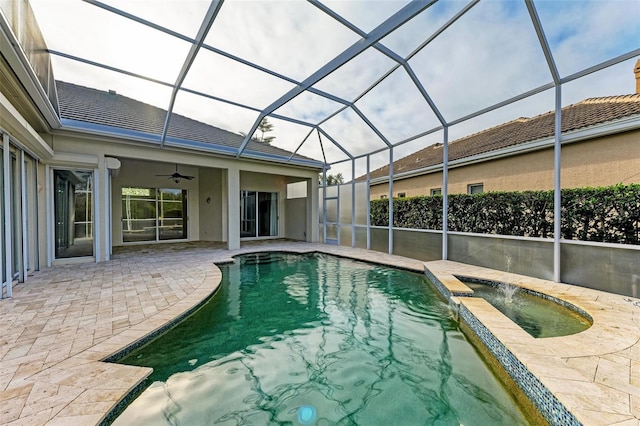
<point x="49" y="216"/>
<point x="99" y="212"/>
<point x="233" y="208"/>
<point x="102" y="212"/>
<point x="313" y="203"/>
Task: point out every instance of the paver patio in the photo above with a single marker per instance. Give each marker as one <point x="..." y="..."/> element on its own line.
<point x="64" y="320"/>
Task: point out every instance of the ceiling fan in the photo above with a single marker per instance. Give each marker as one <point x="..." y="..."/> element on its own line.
<point x="176" y="177"/>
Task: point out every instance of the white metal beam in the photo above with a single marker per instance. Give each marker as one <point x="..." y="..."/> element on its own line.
<point x="445" y="193"/>
<point x="544" y="43"/>
<point x="368" y="202"/>
<point x="390" y="200"/>
<point x="8" y="228"/>
<point x="353" y="203"/>
<point x="23" y="212"/>
<point x="557" y="148"/>
<point x="210" y="16"/>
<point x="388" y="26"/>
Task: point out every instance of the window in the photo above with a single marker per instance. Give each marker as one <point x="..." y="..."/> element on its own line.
<point x="435" y="191"/>
<point x="402" y="194"/>
<point x="151" y="214"/>
<point x="475" y="188"/>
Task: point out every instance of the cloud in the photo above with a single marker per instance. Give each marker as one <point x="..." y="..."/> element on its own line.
<point x="491" y="54"/>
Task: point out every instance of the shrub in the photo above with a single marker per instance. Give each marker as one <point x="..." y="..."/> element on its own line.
<point x="607" y="214"/>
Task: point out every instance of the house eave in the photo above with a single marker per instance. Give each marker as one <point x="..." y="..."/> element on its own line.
<point x="596" y="131"/>
<point x="83" y="128"/>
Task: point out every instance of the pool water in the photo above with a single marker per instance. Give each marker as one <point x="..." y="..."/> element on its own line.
<point x="537" y="316"/>
<point x="314" y="339"/>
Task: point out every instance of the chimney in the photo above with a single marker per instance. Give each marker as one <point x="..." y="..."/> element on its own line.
<point x="636" y="70"/>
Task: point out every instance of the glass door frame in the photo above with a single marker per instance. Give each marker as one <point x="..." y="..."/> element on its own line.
<point x="18" y="214"/>
<point x="251" y="219"/>
<point x="91" y="182"/>
<point x="159" y="208"/>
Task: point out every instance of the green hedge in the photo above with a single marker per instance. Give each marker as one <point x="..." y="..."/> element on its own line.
<point x="608" y="214"/>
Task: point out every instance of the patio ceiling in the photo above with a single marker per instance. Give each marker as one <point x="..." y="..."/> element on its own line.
<point x="341" y="80"/>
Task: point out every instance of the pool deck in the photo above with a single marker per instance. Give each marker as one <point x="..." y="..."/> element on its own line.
<point x="64" y="320"/>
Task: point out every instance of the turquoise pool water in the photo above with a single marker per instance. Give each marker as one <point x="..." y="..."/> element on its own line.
<point x="537" y="316"/>
<point x="314" y="339"/>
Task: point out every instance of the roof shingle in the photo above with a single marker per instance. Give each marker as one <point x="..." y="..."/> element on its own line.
<point x="583" y="114"/>
<point x="108" y="108"/>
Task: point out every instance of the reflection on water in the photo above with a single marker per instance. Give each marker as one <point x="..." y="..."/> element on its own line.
<point x="293" y="339"/>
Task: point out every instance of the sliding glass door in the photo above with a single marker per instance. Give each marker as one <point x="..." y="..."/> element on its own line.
<point x="172" y="214"/>
<point x="247" y="214"/>
<point x="18" y="215"/>
<point x="153" y="214"/>
<point x="258" y="214"/>
<point x="73" y="213"/>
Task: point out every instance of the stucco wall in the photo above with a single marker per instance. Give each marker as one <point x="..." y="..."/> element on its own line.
<point x="295" y="227"/>
<point x="596" y="162"/>
<point x="141" y="162"/>
<point x="142" y="174"/>
<point x="210" y="202"/>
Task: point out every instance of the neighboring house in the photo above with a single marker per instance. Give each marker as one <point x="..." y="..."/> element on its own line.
<point x="83" y="170"/>
<point x="600" y="147"/>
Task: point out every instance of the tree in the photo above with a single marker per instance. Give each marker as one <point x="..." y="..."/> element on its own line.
<point x="263" y="127"/>
<point x="337" y="179"/>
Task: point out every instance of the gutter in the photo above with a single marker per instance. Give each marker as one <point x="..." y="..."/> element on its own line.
<point x="595" y="131"/>
<point x="81" y="127"/>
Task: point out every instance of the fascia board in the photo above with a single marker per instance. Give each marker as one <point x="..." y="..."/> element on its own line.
<point x="596" y="131"/>
<point x="153" y="139"/>
<point x="67" y="159"/>
<point x="21" y="131"/>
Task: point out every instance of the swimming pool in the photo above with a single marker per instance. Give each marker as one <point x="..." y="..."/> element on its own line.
<point x="316" y="339"/>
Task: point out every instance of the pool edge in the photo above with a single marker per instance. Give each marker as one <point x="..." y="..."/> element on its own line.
<point x="526" y="388"/>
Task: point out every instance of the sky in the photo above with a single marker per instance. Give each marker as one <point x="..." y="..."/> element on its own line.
<point x="489" y="55"/>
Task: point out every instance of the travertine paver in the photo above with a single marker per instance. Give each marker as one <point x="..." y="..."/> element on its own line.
<point x="60" y="324"/>
<point x="64" y="320"/>
<point x="595" y="373"/>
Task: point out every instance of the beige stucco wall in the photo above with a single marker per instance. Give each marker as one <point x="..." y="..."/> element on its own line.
<point x="210" y="204"/>
<point x="142" y="174"/>
<point x="141" y="162"/>
<point x="597" y="162"/>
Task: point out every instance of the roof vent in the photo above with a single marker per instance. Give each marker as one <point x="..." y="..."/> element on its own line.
<point x="112" y="92"/>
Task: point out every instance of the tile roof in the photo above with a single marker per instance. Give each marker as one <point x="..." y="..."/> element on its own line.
<point x="108" y="108"/>
<point x="583" y="114"/>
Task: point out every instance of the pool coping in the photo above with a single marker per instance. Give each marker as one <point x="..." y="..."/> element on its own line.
<point x="594" y="375"/>
<point x="57" y="374"/>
